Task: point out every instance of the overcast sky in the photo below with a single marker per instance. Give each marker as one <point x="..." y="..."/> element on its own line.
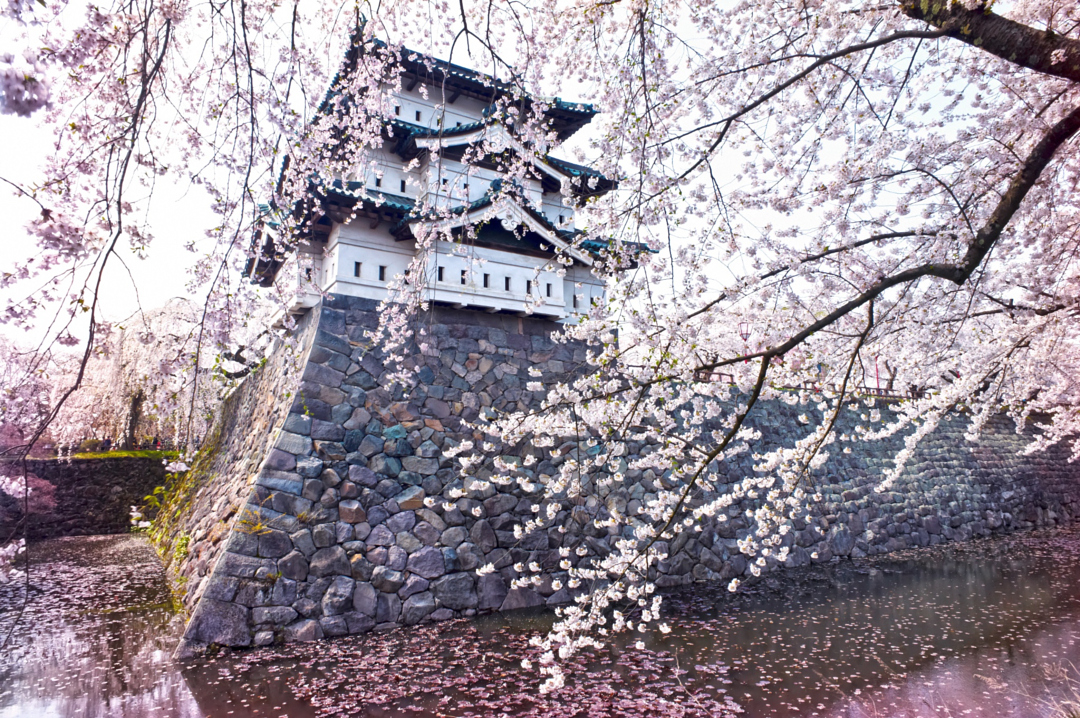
<point x="177" y="213"/>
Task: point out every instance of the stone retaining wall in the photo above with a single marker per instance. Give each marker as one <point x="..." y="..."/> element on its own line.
<point x="203" y="508"/>
<point x="339" y="538"/>
<point x="80" y="497"/>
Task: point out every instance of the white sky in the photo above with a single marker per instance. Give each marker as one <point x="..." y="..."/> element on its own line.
<point x="177" y="213"/>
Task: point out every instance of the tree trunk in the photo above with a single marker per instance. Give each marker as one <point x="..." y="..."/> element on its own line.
<point x="134" y="415"/>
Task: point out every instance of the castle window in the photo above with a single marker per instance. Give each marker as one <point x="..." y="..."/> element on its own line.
<point x="440" y="274"/>
<point x="418" y="115"/>
<point x="402" y="185"/>
<point x="382" y="273"/>
<point x="549" y="289"/>
<point x="487" y="281"/>
<point x="575" y="302"/>
<point x="378" y="181"/>
<point x="561" y="219"/>
<point x="356" y="269"/>
<point x="463" y="276"/>
<point x="397" y="110"/>
<point x="528" y="287"/>
<point x="457" y="124"/>
<point x="506" y="283"/>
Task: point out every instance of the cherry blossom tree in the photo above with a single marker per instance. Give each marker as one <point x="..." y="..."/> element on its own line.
<point x="843" y="180"/>
<point x="141" y="382"/>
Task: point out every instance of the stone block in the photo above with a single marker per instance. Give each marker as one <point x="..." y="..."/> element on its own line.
<point x="293" y="566"/>
<point x="426" y="533"/>
<point x="313" y="489"/>
<point x="302" y="542"/>
<point x="334" y="626"/>
<point x="352" y="512"/>
<point x="339" y="596"/>
<point x="417" y="607"/>
<point x="483" y="536"/>
<point x="387" y="580"/>
<point x="219" y="623"/>
<point x="371" y="445"/>
<point x="398" y="448"/>
<point x="364" y="597"/>
<point x="360" y="417"/>
<point x="491" y="591"/>
<point x="326" y="431"/>
<point x="396" y="558"/>
<point x="413" y="585"/>
<point x="303" y="631"/>
<point x="363" y="476"/>
<point x="427" y="562"/>
<point x="500" y="504"/>
<point x="274" y="544"/>
<point x="297" y="424"/>
<point x="277" y="615"/>
<point x="322" y="374"/>
<point x="437" y="408"/>
<point x="295" y="444"/>
<point x="401" y="521"/>
<point x="324" y="535"/>
<point x="359" y="623"/>
<point x="309" y="467"/>
<point x="410" y="499"/>
<point x="456" y="591"/>
<point x="232" y="564"/>
<point x="518" y="598"/>
<point x="221" y="587"/>
<point x="387" y="608"/>
<point x="330" y="562"/>
<point x="385" y="465"/>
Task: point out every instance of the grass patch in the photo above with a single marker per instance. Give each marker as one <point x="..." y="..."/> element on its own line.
<point x="142" y="454"/>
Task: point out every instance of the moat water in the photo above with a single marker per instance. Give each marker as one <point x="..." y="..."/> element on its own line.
<point x="989" y="628"/>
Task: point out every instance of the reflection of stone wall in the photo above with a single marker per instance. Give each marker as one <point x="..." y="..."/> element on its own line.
<point x="79" y="497"/>
<point x="337" y="537"/>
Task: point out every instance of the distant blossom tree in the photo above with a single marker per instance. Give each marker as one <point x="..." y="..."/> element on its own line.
<point x="845" y="179"/>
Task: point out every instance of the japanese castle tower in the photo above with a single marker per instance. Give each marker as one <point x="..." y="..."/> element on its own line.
<point x="366" y="234"/>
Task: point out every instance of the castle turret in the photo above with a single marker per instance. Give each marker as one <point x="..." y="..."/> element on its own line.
<point x="505" y="238"/>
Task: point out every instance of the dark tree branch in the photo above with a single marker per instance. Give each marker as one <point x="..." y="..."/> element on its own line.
<point x="1011" y="41"/>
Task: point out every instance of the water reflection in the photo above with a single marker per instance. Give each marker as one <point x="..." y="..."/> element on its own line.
<point x="95" y="636"/>
<point x="990" y="628"/>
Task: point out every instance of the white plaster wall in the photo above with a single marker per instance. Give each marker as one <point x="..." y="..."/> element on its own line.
<point x="508" y="274"/>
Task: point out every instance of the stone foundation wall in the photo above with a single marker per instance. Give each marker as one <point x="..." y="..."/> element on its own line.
<point x="339" y="537"/>
<point x="205" y="507"/>
<point x="79" y="497"/>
